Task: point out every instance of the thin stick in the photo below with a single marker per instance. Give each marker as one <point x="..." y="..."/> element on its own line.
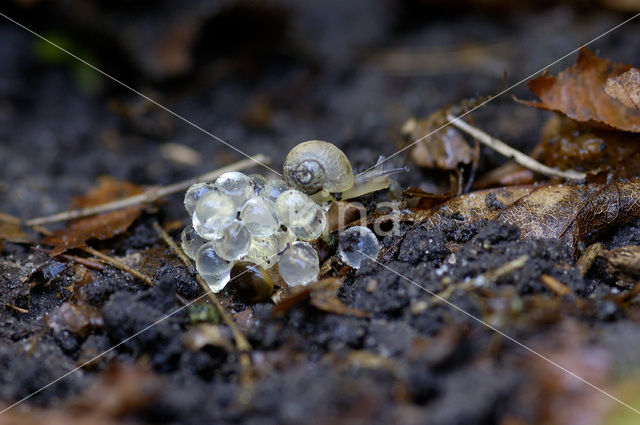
<point x="118" y="264"/>
<point x="104" y="257"/>
<point x="241" y="342"/>
<point x="149" y="196"/>
<point x="508" y="151"/>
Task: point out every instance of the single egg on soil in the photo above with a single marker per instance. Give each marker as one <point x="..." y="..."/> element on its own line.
<point x="259" y="215"/>
<point x="236" y="186"/>
<point x="357" y="244"/>
<point x="234" y="241"/>
<point x="214" y="211"/>
<point x="298" y="264"/>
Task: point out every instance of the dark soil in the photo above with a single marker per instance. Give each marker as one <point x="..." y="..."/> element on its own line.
<point x="264" y="77"/>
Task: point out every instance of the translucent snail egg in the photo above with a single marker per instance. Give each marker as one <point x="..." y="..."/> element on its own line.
<point x="214" y="211"/>
<point x="263" y="251"/>
<point x="258" y="182"/>
<point x="217" y="282"/>
<point x="259" y="216"/>
<point x="295" y="209"/>
<point x="214" y="269"/>
<point x="194" y="193"/>
<point x="299" y="264"/>
<point x="314" y="228"/>
<point x="284" y="236"/>
<point x="273" y="189"/>
<point x="357" y="244"/>
<point x="234" y="242"/>
<point x="236" y="186"/>
<point x="190" y="241"/>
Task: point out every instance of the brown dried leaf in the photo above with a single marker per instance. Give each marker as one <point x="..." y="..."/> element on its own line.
<point x="578" y="92"/>
<point x="566" y="144"/>
<point x="625" y="88"/>
<point x="108" y="189"/>
<point x="13" y="233"/>
<point x="323" y="295"/>
<point x="444" y="150"/>
<point x="75" y="318"/>
<point x="102" y="226"/>
<point x="119" y="390"/>
<point x="624" y="260"/>
<point x="572" y="214"/>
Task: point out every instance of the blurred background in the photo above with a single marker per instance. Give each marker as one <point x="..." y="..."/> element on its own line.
<point x="264" y="76"/>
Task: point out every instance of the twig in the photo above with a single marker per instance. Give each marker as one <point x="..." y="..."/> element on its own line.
<point x="508" y="151"/>
<point x="555" y="285"/>
<point x="16" y="308"/>
<point x="241" y="342"/>
<point x="118" y="264"/>
<point x="148" y="196"/>
<point x="104" y="257"/>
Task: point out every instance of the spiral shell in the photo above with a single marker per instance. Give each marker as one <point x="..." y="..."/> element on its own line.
<point x="316" y="166"/>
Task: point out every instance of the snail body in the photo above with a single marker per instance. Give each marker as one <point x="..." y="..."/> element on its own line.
<point x="320" y="169"/>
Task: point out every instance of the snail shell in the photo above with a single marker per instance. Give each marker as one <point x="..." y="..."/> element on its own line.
<point x="316" y="166"/>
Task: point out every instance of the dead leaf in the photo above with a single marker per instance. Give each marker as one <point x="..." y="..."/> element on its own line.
<point x="567" y="144"/>
<point x="578" y="92"/>
<point x="209" y="335"/>
<point x="119" y="390"/>
<point x="444" y="150"/>
<point x="13" y="233"/>
<point x="101" y="226"/>
<point x="107" y="189"/>
<point x="573" y="214"/>
<point x="323" y="295"/>
<point x="624" y="260"/>
<point x="625" y="88"/>
<point x="75" y="318"/>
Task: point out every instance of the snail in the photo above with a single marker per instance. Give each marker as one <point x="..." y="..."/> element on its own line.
<point x="320" y="169"/>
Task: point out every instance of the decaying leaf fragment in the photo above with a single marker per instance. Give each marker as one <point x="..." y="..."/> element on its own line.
<point x="323" y="295"/>
<point x="579" y="93"/>
<point x="571" y="213"/>
<point x="102" y="226"/>
<point x="444" y="150"/>
<point x="625" y="88"/>
<point x="624" y="260"/>
<point x="568" y="144"/>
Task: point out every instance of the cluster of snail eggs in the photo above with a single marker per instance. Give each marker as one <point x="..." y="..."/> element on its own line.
<point x="249" y="219"/>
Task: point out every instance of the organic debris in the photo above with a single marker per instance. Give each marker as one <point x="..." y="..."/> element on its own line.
<point x="102" y="226"/>
<point x="579" y="93"/>
<point x="625" y="88"/>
